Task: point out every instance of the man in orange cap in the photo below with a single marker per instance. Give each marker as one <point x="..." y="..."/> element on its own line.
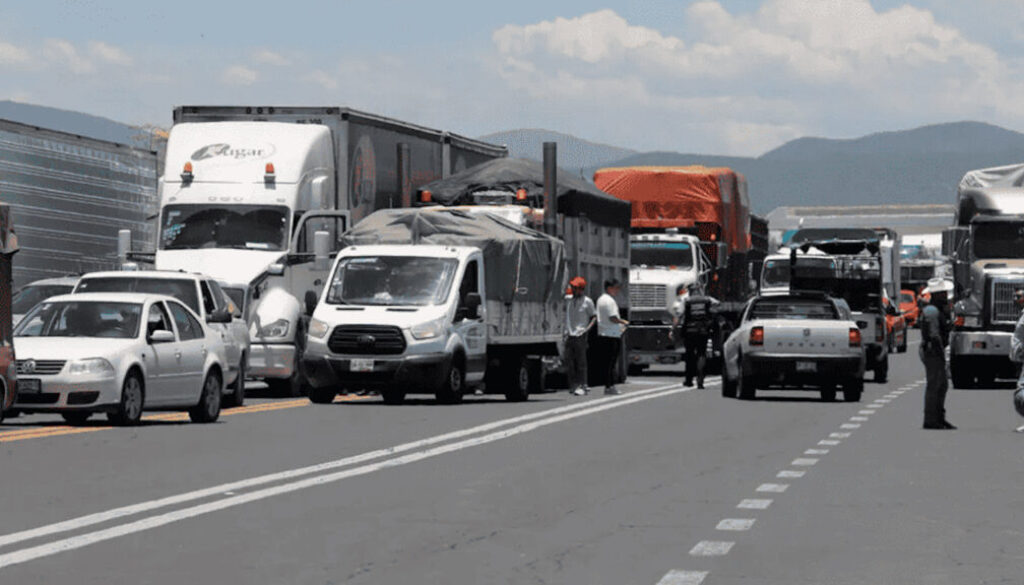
<point x="580" y="316"/>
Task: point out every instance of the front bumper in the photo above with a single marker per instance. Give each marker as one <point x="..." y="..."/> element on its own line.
<point x="60" y="393"/>
<point x="271" y="360"/>
<point x="981" y="343"/>
<point x="423" y="372"/>
<point x="767" y="369"/>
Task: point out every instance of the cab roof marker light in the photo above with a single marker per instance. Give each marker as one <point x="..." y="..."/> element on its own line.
<point x="186" y="172"/>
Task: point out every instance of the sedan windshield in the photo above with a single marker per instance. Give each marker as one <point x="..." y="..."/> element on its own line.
<point x="792" y="308"/>
<point x="182" y="289"/>
<point x="33" y="294"/>
<point x="391" y="280"/>
<point x="82" y="319"/>
<point x="906" y="298"/>
<point x="675" y="254"/>
<point x="251" y="227"/>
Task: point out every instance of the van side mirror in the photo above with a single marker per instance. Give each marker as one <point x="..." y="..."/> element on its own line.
<point x="473" y="303"/>
<point x="222" y="316"/>
<point x="311" y="300"/>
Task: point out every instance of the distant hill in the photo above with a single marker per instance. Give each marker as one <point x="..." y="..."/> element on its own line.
<point x="74" y="123"/>
<point x="573" y="153"/>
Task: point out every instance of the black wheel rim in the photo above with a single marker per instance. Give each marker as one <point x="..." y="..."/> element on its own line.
<point x="132" y="398"/>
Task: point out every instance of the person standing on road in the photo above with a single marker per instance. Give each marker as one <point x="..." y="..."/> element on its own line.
<point x="609" y="333"/>
<point x="693" y="323"/>
<point x="934" y="337"/>
<point x="580" y="316"/>
<point x="1017" y="355"/>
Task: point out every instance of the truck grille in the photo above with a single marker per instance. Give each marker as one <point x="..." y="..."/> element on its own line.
<point x="367" y="340"/>
<point x="39" y="367"/>
<point x="650" y="296"/>
<point x="1004" y="310"/>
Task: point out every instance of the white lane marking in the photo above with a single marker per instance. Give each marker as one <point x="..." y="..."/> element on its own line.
<point x="816" y="452"/>
<point x="839" y="435"/>
<point x="865" y="412"/>
<point x="829" y="442"/>
<point x="711" y="548"/>
<point x="735" y="524"/>
<point x="789" y="474"/>
<point x="754" y="504"/>
<point x="773" y="488"/>
<point x="97" y="518"/>
<point x="859" y="418"/>
<point x="677" y="577"/>
<point x="805" y="461"/>
<point x="850" y="426"/>
<point x="76" y="542"/>
<point x="883" y="401"/>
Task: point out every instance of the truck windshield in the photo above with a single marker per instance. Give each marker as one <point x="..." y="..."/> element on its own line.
<point x="391" y="280"/>
<point x="676" y="254"/>
<point x="252" y="227"/>
<point x="777" y="272"/>
<point x="998" y="240"/>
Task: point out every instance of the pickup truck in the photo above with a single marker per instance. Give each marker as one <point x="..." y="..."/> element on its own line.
<point x="796" y="340"/>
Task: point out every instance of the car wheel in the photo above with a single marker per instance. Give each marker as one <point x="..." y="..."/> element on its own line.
<point x="129" y="410"/>
<point x="76" y="417"/>
<point x="392" y="396"/>
<point x="728" y="384"/>
<point x="208" y="408"/>
<point x="828" y="393"/>
<point x="237" y="396"/>
<point x="453" y="385"/>
<point x="852" y="390"/>
<point x="882" y="371"/>
<point x="322" y="395"/>
<point x="746" y="388"/>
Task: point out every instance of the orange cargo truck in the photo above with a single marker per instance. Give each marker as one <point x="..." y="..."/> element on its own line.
<point x="8" y="375"/>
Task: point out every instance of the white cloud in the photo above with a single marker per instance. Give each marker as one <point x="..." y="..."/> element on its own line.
<point x="323" y="79"/>
<point x="239" y="75"/>
<point x="66" y="55"/>
<point x="109" y="53"/>
<point x="13" y="55"/>
<point x="268" y="57"/>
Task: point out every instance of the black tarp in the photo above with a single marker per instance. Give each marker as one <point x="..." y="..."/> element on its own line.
<point x="521" y="264"/>
<point x="576" y="197"/>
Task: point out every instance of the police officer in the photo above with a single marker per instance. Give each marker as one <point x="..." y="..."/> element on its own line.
<point x="693" y="322"/>
<point x="1017" y="355"/>
<point x="934" y="337"/>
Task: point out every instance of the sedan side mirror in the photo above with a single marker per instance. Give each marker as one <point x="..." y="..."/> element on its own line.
<point x="161" y="336"/>
<point x="219" y="316"/>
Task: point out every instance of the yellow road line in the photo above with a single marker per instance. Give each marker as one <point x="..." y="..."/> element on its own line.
<point x="61" y="430"/>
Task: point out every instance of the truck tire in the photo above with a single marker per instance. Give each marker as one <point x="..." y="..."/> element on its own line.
<point x="524" y="379"/>
<point x="882" y="371"/>
<point x="852" y="390"/>
<point x="453" y="386"/>
<point x="392" y="396"/>
<point x="961" y="376"/>
<point x="322" y="395"/>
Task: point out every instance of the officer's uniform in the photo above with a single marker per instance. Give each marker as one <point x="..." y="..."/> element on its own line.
<point x="934" y="335"/>
<point x="695" y="320"/>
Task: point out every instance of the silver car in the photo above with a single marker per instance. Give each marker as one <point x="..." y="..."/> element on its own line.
<point x="118" y="353"/>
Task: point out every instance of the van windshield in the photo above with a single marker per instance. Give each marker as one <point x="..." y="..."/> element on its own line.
<point x="391" y="280"/>
<point x="249" y="227"/>
<point x="675" y="254"/>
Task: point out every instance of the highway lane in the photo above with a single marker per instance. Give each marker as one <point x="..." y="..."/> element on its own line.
<point x="622" y="492"/>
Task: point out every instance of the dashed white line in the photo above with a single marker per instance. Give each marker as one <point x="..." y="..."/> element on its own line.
<point x="839" y="435"/>
<point x="865" y="412"/>
<point x="816" y="452"/>
<point x="859" y="418"/>
<point x="773" y="488"/>
<point x="805" y="461"/>
<point x="754" y="504"/>
<point x="711" y="548"/>
<point x="735" y="524"/>
<point x="829" y="442"/>
<point x="850" y="426"/>
<point x="683" y="578"/>
<point x="790" y="474"/>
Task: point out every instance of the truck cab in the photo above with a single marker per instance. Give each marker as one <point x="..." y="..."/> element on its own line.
<point x="776" y="271"/>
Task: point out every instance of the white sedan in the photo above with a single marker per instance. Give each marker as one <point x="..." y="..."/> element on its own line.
<point x="119" y="353"/>
<point x="794" y="341"/>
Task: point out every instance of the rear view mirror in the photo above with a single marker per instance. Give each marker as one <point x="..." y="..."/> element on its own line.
<point x="219" y="316"/>
<point x="161" y="336"/>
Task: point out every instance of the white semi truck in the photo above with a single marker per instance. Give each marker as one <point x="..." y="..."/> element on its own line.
<point x="245" y="190"/>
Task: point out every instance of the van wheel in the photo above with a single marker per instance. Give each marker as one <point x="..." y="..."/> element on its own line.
<point x="129" y="410"/>
<point x="322" y="395"/>
<point x="208" y="408"/>
<point x="237" y="396"/>
<point x="882" y="371"/>
<point x="391" y="396"/>
<point x="454" y="384"/>
<point x="76" y="417"/>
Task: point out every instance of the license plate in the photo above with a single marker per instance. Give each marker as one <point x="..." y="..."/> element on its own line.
<point x="806" y="367"/>
<point x="29" y="386"/>
<point x="361" y="365"/>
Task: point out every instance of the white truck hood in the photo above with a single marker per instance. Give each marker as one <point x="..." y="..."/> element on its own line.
<point x="240" y="266"/>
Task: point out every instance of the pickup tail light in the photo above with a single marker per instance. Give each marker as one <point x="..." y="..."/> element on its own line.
<point x="854" y="337"/>
<point x="879" y="329"/>
<point x="757" y="336"/>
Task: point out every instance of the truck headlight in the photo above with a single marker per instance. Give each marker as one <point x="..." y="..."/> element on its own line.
<point x="430" y="329"/>
<point x="277" y="328"/>
<point x="318" y="328"/>
<point x="91" y="367"/>
<point x="969" y="321"/>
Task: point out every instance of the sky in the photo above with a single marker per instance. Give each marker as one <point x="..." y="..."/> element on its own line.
<point x="705" y="76"/>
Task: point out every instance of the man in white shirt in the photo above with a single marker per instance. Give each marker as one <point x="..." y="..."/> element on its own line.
<point x="580" y="316"/>
<point x="609" y="333"/>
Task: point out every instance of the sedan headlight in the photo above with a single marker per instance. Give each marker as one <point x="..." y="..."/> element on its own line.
<point x="430" y="329"/>
<point x="91" y="367"/>
<point x="318" y="328"/>
<point x="275" y="329"/>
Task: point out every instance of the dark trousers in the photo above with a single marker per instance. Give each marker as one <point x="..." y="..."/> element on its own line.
<point x="936" y="386"/>
<point x="606" y="353"/>
<point x="696" y="357"/>
<point x="576" y="361"/>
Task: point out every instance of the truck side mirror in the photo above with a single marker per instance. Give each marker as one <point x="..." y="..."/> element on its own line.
<point x="311" y="300"/>
<point x="276" y="269"/>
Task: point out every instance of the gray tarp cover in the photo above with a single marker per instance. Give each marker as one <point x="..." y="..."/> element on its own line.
<point x="575" y="196"/>
<point x="517" y="258"/>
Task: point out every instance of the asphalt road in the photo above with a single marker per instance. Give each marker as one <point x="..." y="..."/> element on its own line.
<point x="663" y="484"/>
